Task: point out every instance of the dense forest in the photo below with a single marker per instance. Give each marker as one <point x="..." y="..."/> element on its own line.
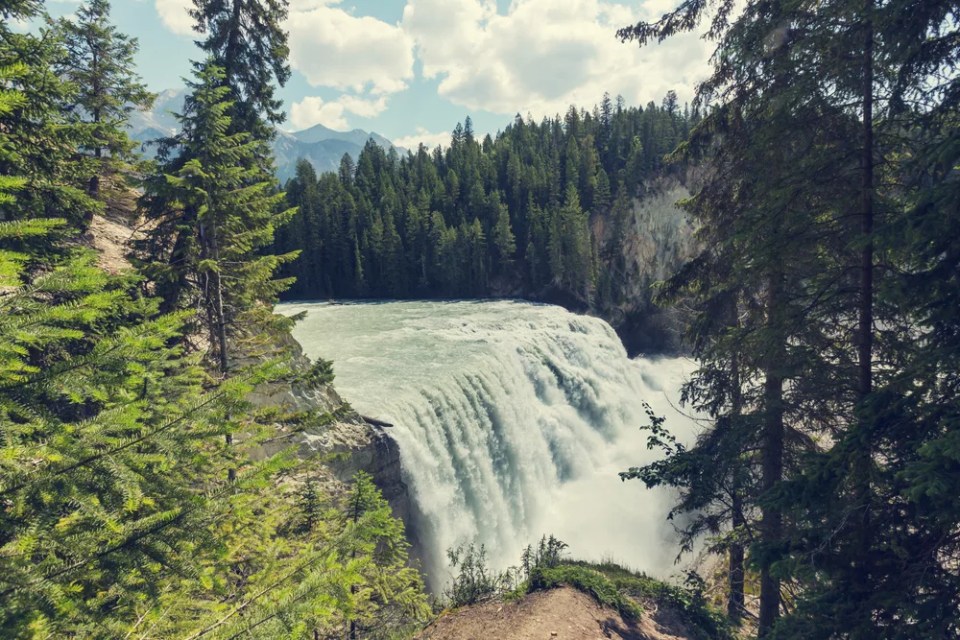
<point x="136" y="501"/>
<point x="540" y="211"/>
<point x="826" y="298"/>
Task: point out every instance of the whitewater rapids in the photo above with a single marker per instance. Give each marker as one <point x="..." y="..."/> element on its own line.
<point x="512" y="421"/>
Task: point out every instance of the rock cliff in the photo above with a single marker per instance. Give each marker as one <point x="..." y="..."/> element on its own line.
<point x="341" y="440"/>
<point x="649" y="246"/>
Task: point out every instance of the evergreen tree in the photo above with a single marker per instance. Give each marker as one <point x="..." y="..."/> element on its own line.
<point x="208" y="248"/>
<point x="514" y="186"/>
<point x="246" y="39"/>
<point x="117" y="521"/>
<point x="99" y="65"/>
<point x="387" y="593"/>
<point x="215" y="202"/>
<point x="39" y="139"/>
<point x="832" y="422"/>
<point x="104" y="428"/>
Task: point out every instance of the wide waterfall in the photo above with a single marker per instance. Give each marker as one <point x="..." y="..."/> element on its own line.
<point x="512" y="420"/>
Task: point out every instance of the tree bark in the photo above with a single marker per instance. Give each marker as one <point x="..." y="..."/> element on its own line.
<point x="215" y="314"/>
<point x="735" y="598"/>
<point x="771" y="526"/>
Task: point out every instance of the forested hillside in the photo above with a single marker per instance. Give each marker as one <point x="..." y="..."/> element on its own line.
<point x="137" y="498"/>
<point x="543" y="211"/>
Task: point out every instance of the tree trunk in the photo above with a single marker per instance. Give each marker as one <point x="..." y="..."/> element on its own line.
<point x="171" y="292"/>
<point x="735" y="598"/>
<point x="215" y="316"/>
<point x="93" y="185"/>
<point x="233" y="44"/>
<point x="771" y="526"/>
<point x="215" y="304"/>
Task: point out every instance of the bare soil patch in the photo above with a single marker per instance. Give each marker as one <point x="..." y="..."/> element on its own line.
<point x="558" y="614"/>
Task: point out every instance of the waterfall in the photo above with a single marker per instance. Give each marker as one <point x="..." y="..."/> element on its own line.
<point x="512" y="420"/>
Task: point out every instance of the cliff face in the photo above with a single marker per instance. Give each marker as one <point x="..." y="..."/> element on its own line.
<point x="343" y="446"/>
<point x="656" y="238"/>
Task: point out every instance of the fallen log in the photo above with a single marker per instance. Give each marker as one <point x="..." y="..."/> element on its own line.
<point x="375" y="422"/>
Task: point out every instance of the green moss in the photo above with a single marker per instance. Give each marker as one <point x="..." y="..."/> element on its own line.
<point x="617" y="587"/>
<point x="704" y="622"/>
<point x="588" y="581"/>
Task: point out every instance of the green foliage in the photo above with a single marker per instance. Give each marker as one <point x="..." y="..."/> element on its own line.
<point x="542" y="566"/>
<point x="546" y="555"/>
<point x="687" y="601"/>
<point x="510" y="215"/>
<point x="588" y="581"/>
<point x="320" y="373"/>
<point x="822" y="323"/>
<point x="246" y="39"/>
<point x="474" y="580"/>
<point x="99" y="65"/>
<point x="105" y="429"/>
<point x="386" y="594"/>
<point x="38" y="136"/>
<point x="136" y="498"/>
<point x="214" y="211"/>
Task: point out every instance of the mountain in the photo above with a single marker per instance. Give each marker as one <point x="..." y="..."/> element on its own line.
<point x="358" y="137"/>
<point x="161" y="117"/>
<point x="321" y="146"/>
<point x="324" y="154"/>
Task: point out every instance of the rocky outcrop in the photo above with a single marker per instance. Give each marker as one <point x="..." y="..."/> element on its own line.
<point x="656" y="239"/>
<point x="344" y="445"/>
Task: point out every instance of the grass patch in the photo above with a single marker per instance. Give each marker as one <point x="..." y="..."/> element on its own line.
<point x="703" y="621"/>
<point x="587" y="580"/>
<point x="542" y="567"/>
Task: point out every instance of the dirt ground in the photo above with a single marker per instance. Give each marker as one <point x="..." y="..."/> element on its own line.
<point x="558" y="614"/>
<point x="111" y="239"/>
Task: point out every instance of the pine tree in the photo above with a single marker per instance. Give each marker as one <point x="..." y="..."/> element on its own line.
<point x="105" y="429"/>
<point x="99" y="65"/>
<point x="504" y="243"/>
<point x="387" y="588"/>
<point x="246" y="39"/>
<point x="823" y="80"/>
<point x="39" y="140"/>
<point x="207" y="249"/>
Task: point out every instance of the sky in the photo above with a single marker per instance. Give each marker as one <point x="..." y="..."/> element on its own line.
<point x="411" y="70"/>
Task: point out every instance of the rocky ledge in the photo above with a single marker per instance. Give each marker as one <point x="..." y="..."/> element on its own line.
<point x="343" y="443"/>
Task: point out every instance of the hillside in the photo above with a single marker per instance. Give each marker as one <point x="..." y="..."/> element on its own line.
<point x="563" y="614"/>
<point x="579" y="211"/>
<point x="574" y="600"/>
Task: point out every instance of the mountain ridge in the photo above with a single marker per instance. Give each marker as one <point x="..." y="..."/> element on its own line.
<point x="320" y="145"/>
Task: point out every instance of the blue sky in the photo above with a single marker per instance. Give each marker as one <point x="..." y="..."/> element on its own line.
<point x="411" y="69"/>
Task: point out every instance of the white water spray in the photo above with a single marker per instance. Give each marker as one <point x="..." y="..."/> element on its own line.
<point x="512" y="420"/>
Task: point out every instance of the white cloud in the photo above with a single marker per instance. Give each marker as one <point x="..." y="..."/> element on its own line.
<point x="333" y="48"/>
<point x="173" y="14"/>
<point x="422" y="135"/>
<point x="542" y="55"/>
<point x="333" y="114"/>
